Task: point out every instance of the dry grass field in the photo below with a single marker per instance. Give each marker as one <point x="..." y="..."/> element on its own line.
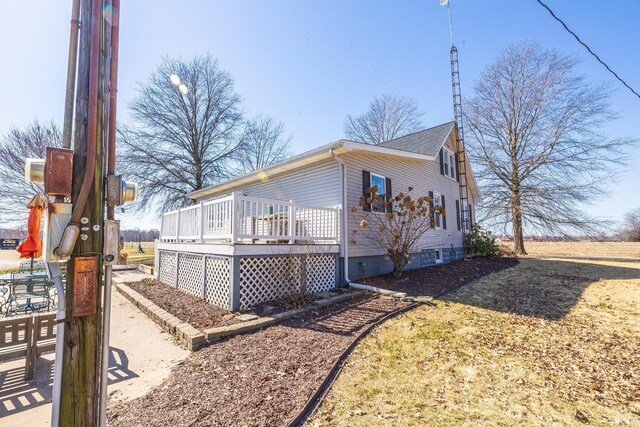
<point x="131" y="248"/>
<point x="548" y="342"/>
<point x="614" y="249"/>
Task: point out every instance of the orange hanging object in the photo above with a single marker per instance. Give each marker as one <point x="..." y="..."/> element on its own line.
<point x="32" y="246"/>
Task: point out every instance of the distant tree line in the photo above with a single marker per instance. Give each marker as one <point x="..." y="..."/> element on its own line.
<point x="11" y="233"/>
<point x="135" y="234"/>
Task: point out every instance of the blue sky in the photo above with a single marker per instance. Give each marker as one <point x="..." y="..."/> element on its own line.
<point x="310" y="63"/>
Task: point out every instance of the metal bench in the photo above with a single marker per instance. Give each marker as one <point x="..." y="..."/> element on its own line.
<point x="27" y="337"/>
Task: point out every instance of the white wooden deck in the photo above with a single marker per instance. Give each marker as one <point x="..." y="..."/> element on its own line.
<point x="238" y="219"/>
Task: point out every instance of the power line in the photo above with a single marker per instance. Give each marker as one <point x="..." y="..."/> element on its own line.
<point x="588" y="48"/>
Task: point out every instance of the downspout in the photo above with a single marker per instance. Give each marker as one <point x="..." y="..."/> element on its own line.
<point x="344" y="247"/>
<point x="53" y="270"/>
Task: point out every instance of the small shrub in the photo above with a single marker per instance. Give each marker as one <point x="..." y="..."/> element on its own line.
<point x="506" y="251"/>
<point x="480" y="243"/>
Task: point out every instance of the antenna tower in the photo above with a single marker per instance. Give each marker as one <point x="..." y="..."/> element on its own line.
<point x="461" y="154"/>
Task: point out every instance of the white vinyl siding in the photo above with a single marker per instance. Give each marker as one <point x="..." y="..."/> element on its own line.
<point x="424" y="176"/>
<point x="317" y="184"/>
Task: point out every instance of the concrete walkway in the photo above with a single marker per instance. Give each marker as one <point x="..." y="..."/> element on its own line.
<point x="142" y="356"/>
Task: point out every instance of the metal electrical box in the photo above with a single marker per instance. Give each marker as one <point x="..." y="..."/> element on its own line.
<point x="56" y="218"/>
<point x="85" y="286"/>
<point x="58" y="172"/>
<point x="111" y="241"/>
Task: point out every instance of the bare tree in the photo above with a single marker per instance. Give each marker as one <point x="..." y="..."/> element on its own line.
<point x="631" y="226"/>
<point x="186" y="121"/>
<point x="537" y="143"/>
<point x="264" y="142"/>
<point x="17" y="145"/>
<point x="388" y="117"/>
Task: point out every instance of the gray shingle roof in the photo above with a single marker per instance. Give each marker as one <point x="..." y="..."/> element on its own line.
<point x="426" y="141"/>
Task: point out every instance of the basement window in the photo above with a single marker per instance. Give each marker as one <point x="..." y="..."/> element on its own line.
<point x="438" y="256"/>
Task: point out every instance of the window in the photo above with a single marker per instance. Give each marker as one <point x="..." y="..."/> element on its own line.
<point x="437" y="201"/>
<point x="438" y="256"/>
<point x="448" y="163"/>
<point x="452" y="166"/>
<point x="445" y="160"/>
<point x="382" y="191"/>
<point x="465" y="220"/>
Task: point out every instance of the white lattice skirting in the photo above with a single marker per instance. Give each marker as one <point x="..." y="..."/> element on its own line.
<point x="205" y="276"/>
<point x="259" y="279"/>
<point x="265" y="279"/>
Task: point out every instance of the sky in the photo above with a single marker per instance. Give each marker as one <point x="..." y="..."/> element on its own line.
<point x="311" y="63"/>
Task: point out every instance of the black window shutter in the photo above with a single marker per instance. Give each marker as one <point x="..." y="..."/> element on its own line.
<point x="366" y="184"/>
<point x="457" y="172"/>
<point x="432" y="217"/>
<point x="458" y="213"/>
<point x="470" y="217"/>
<point x="444" y="217"/>
<point x="387" y="184"/>
<point x="441" y="162"/>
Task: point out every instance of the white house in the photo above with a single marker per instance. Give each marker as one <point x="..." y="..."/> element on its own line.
<point x="252" y="238"/>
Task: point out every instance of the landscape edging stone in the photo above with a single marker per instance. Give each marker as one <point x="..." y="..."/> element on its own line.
<point x="192" y="339"/>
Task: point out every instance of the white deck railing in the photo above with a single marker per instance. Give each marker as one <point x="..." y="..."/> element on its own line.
<point x="243" y="219"/>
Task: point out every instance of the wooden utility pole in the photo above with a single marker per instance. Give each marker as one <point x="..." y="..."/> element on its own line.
<point x="79" y="401"/>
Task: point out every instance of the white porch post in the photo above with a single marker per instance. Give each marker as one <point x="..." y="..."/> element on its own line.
<point x="235" y="216"/>
<point x="291" y="223"/>
<point x="202" y="222"/>
<point x="178" y="225"/>
<point x="336" y="230"/>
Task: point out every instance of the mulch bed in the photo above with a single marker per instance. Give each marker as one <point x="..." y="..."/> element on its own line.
<point x="191" y="309"/>
<point x="259" y="379"/>
<point x="265" y="378"/>
<point x="437" y="279"/>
